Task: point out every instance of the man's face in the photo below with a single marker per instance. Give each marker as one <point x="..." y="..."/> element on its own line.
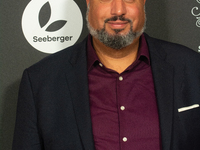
<point x="121" y="20"/>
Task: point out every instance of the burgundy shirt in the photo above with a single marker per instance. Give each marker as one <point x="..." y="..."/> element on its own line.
<point x="123" y="106"/>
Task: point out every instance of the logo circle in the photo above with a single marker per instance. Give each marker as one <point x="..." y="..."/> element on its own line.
<point x="50" y="26"/>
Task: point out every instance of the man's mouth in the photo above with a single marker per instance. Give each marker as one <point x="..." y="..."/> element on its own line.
<point x="117" y="24"/>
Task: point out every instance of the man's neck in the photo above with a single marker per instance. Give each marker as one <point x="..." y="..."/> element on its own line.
<point x="117" y="60"/>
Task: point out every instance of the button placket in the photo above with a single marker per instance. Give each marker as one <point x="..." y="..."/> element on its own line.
<point x="121" y="108"/>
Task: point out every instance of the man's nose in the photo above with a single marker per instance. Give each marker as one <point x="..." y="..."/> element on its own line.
<point x="118" y="7"/>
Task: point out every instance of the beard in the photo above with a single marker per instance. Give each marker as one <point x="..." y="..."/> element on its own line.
<point x="116" y="41"/>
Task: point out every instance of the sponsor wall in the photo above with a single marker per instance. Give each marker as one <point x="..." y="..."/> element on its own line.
<point x="33" y="29"/>
<point x="50" y="26"/>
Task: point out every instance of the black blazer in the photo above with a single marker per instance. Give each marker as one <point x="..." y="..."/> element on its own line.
<point x="53" y="110"/>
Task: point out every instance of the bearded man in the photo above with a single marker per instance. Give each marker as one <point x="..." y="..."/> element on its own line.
<point x="119" y="89"/>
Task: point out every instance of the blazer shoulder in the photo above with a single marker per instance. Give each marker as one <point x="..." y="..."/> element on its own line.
<point x="172" y="51"/>
<point x="60" y="59"/>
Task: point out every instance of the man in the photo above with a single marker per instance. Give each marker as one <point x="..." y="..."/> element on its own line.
<point x="118" y="89"/>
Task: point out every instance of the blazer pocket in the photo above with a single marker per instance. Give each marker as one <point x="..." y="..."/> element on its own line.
<point x="188" y="108"/>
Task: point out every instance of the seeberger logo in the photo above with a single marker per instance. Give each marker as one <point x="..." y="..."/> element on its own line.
<point x="52" y="25"/>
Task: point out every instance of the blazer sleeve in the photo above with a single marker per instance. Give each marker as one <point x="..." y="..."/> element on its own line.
<point x="26" y="134"/>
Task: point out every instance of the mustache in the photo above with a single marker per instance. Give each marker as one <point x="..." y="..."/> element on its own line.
<point x="115" y="18"/>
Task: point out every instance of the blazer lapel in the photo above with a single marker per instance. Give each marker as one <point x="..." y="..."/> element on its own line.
<point x="163" y="80"/>
<point x="78" y="85"/>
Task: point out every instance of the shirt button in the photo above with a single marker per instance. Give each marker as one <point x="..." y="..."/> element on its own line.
<point x="124" y="139"/>
<point x="120" y="78"/>
<point x="100" y="64"/>
<point x="122" y="108"/>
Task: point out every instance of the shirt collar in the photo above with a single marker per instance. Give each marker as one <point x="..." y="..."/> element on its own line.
<point x="92" y="58"/>
<point x="91" y="54"/>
